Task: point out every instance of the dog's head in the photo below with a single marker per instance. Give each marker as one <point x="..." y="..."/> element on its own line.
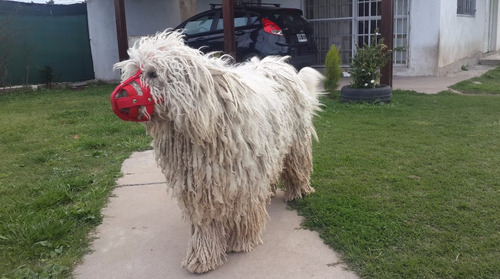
<point x="165" y="80"/>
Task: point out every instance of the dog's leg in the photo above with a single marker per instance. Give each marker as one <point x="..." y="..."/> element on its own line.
<point x="297" y="169"/>
<point x="248" y="228"/>
<point x="206" y="248"/>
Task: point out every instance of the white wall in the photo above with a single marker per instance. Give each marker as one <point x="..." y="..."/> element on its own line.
<point x="498" y="26"/>
<point x="442" y="41"/>
<point x="461" y="37"/>
<point x="144" y="17"/>
<point x="203" y="5"/>
<point x="298" y="4"/>
<point x="103" y="42"/>
<point x="423" y="39"/>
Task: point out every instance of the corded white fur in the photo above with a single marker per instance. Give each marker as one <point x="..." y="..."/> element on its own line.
<point x="223" y="136"/>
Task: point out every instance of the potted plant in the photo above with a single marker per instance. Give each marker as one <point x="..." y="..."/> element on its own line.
<point x="365" y="73"/>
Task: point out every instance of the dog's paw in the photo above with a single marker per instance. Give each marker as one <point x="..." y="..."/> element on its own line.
<point x="293" y="195"/>
<point x="241" y="247"/>
<point x="197" y="267"/>
<point x="202" y="263"/>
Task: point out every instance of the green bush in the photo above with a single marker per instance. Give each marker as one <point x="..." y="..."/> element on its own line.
<point x="367" y="63"/>
<point x="333" y="71"/>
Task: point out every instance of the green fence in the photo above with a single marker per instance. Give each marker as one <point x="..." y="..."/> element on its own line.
<point x="40" y="40"/>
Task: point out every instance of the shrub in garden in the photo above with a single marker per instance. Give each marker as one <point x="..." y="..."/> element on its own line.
<point x="366" y="64"/>
<point x="332" y="69"/>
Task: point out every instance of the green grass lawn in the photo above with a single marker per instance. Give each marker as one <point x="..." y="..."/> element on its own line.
<point x="61" y="152"/>
<point x="488" y="83"/>
<point x="409" y="189"/>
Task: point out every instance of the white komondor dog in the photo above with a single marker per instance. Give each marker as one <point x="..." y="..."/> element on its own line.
<point x="223" y="134"/>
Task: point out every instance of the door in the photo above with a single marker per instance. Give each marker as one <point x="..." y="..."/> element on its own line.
<point x="492" y="26"/>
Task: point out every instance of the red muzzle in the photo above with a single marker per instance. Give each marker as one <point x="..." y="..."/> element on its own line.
<point x="132" y="101"/>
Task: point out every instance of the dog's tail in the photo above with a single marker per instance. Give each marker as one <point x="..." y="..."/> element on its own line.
<point x="313" y="81"/>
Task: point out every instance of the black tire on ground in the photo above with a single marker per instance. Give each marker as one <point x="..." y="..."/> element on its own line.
<point x="370" y="95"/>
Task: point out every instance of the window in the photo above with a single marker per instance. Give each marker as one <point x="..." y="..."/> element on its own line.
<point x="368" y="20"/>
<point x="466" y="7"/>
<point x="350" y="23"/>
<point x="253" y="19"/>
<point x="284" y="18"/>
<point x="332" y="21"/>
<point x="199" y="25"/>
<point x="401" y="30"/>
<point x="240" y="19"/>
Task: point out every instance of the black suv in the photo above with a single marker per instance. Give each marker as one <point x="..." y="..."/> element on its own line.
<point x="260" y="29"/>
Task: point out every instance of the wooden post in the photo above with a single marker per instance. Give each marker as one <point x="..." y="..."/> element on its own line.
<point x="121" y="29"/>
<point x="387" y="32"/>
<point x="228" y="25"/>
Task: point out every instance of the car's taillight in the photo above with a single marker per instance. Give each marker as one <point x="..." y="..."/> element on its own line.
<point x="271" y="27"/>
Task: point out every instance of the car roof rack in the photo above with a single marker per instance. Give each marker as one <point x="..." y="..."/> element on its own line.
<point x="213" y="6"/>
<point x="259" y="4"/>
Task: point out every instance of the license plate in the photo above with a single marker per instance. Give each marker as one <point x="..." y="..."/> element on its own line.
<point x="302" y="38"/>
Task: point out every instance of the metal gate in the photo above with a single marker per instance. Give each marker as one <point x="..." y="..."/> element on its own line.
<point x="351" y="23"/>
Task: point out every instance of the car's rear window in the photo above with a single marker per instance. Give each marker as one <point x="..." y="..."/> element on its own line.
<point x="289" y="19"/>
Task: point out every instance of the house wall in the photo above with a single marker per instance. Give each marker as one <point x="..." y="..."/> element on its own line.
<point x="498" y="26"/>
<point x="462" y="38"/>
<point x="440" y="41"/>
<point x="298" y="4"/>
<point x="490" y="31"/>
<point x="423" y="39"/>
<point x="144" y="17"/>
<point x="203" y="5"/>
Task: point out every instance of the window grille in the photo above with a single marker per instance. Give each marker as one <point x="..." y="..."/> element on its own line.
<point x="466" y="7"/>
<point x="332" y="22"/>
<point x="351" y="23"/>
<point x="368" y="20"/>
<point x="401" y="29"/>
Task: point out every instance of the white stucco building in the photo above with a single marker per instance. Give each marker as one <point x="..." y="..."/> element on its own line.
<point x="437" y="36"/>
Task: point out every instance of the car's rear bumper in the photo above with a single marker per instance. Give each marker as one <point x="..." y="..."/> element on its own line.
<point x="302" y="61"/>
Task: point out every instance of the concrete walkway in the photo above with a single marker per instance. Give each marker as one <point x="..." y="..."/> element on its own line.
<point x="431" y="84"/>
<point x="143" y="235"/>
